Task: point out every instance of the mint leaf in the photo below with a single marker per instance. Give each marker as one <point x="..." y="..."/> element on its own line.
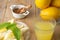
<point x="4" y="25"/>
<point x="16" y="31"/>
<point x="11" y="26"/>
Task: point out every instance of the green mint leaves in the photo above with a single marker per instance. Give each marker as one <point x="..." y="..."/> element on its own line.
<point x="16" y="31"/>
<point x="4" y="25"/>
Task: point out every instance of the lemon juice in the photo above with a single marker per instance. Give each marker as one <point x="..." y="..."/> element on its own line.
<point x="44" y="30"/>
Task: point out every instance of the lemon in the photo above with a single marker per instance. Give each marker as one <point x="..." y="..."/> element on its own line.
<point x="59" y="14"/>
<point x="2" y="33"/>
<point x="3" y="30"/>
<point x="9" y="35"/>
<point x="42" y="4"/>
<point x="49" y="13"/>
<point x="56" y="3"/>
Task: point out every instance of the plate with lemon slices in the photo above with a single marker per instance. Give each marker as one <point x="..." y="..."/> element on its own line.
<point x="12" y="30"/>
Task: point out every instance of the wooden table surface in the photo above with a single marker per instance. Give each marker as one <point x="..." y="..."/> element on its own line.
<point x="5" y="15"/>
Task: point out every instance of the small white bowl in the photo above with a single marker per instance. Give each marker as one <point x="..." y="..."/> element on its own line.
<point x="18" y="15"/>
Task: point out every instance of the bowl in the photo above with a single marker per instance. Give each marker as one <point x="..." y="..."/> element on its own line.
<point x="12" y="7"/>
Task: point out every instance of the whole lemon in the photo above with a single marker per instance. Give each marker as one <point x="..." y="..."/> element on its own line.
<point x="56" y="3"/>
<point x="49" y="13"/>
<point x="42" y="4"/>
<point x="59" y="13"/>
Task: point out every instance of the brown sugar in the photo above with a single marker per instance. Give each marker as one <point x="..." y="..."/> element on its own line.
<point x="22" y="10"/>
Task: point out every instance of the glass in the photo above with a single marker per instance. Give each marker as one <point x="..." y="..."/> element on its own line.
<point x="44" y="29"/>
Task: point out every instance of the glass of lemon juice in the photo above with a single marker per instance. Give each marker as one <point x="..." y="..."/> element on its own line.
<point x="44" y="29"/>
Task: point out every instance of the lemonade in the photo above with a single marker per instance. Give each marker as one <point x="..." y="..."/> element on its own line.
<point x="44" y="30"/>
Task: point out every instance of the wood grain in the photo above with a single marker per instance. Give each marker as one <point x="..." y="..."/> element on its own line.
<point x="2" y="9"/>
<point x="34" y="12"/>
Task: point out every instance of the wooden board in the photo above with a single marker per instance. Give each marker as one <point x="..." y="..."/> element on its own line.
<point x="7" y="15"/>
<point x="2" y="9"/>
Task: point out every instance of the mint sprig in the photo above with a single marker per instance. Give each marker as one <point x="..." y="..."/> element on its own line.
<point x="16" y="31"/>
<point x="4" y="25"/>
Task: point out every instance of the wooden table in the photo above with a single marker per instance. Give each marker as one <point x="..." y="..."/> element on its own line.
<point x="5" y="15"/>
